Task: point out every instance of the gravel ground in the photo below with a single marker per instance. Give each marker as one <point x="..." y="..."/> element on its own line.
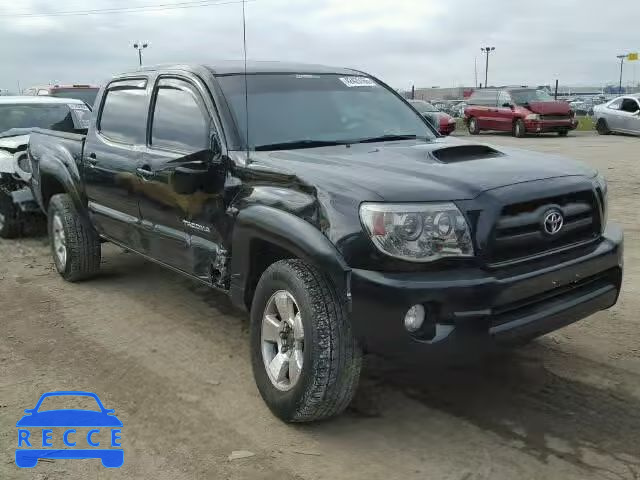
<point x="171" y="358"/>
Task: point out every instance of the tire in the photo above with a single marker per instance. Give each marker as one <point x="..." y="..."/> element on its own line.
<point x="331" y="356"/>
<point x="563" y="133"/>
<point x="472" y="126"/>
<point x="10" y="225"/>
<point x="80" y="241"/>
<point x="519" y="129"/>
<point x="602" y="128"/>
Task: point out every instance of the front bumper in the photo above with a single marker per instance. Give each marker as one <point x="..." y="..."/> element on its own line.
<point x="542" y="126"/>
<point x="481" y="308"/>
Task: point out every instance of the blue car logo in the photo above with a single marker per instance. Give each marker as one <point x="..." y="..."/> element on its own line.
<point x="101" y="423"/>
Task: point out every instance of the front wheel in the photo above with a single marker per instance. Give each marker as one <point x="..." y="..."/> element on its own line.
<point x="75" y="245"/>
<point x="563" y="133"/>
<point x="519" y="129"/>
<point x="473" y="127"/>
<point x="306" y="361"/>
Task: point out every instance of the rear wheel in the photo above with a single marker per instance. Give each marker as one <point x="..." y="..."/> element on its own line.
<point x="518" y="129"/>
<point x="563" y="133"/>
<point x="306" y="361"/>
<point x="602" y="128"/>
<point x="10" y="225"/>
<point x="75" y="245"/>
<point x="472" y="125"/>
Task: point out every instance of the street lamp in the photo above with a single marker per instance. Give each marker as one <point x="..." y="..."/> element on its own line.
<point x="140" y="46"/>
<point x="486" y="51"/>
<point x="621" y="57"/>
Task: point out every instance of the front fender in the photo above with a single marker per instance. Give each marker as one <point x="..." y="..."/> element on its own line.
<point x="291" y="233"/>
<point x="57" y="170"/>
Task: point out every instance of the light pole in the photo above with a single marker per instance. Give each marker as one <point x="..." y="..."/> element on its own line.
<point x="487" y="51"/>
<point x="140" y="46"/>
<point x="621" y="57"/>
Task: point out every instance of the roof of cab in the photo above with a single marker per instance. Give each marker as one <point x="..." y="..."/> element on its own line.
<point x="39" y="99"/>
<point x="230" y="67"/>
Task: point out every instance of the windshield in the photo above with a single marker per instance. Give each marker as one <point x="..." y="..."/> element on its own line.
<point x="87" y="95"/>
<point x="522" y="97"/>
<point x="423" y="106"/>
<point x="54" y="117"/>
<point x="307" y="110"/>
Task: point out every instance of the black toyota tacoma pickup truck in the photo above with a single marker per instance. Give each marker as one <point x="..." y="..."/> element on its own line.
<point x="324" y="204"/>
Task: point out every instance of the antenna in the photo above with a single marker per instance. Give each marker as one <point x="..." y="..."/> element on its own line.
<point x="246" y="88"/>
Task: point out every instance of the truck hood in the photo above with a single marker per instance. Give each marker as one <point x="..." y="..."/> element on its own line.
<point x="405" y="171"/>
<point x="550" y="108"/>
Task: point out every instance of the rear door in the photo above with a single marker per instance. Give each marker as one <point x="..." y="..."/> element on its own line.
<point x="613" y="115"/>
<point x="503" y="114"/>
<point x="484" y="108"/>
<point x="181" y="225"/>
<point x="113" y="152"/>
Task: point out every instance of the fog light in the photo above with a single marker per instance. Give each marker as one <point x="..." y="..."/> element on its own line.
<point x="414" y="318"/>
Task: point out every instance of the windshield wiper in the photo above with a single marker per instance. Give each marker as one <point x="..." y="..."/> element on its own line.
<point x="388" y="138"/>
<point x="300" y="144"/>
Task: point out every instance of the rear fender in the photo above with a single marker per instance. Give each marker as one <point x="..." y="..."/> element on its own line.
<point x="287" y="232"/>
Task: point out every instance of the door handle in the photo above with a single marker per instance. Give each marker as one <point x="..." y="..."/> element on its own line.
<point x="144" y="172"/>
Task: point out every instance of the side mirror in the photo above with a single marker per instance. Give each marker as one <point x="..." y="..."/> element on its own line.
<point x="28" y="410"/>
<point x="507" y="105"/>
<point x="216" y="149"/>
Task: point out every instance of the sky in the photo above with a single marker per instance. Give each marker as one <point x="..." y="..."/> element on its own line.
<point x="404" y="42"/>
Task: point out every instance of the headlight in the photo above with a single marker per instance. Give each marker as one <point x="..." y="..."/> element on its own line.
<point x="532" y="116"/>
<point x="417" y="232"/>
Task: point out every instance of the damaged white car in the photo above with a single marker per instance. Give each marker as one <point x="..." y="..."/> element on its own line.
<point x="18" y="117"/>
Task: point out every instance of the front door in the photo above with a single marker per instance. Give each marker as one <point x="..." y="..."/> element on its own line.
<point x="181" y="222"/>
<point x="112" y="153"/>
<point x="503" y="115"/>
<point x="630" y="116"/>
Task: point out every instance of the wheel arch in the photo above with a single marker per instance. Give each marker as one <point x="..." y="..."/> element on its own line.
<point x="263" y="235"/>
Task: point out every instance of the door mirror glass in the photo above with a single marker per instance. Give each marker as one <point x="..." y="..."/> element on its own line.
<point x="507" y="105"/>
<point x="216" y="149"/>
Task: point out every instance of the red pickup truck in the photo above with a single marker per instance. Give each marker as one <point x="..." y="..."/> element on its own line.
<point x="517" y="110"/>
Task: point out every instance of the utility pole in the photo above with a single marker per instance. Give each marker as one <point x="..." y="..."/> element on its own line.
<point x="555" y="95"/>
<point x="486" y="51"/>
<point x="621" y="57"/>
<point x="140" y="46"/>
<point x="475" y="70"/>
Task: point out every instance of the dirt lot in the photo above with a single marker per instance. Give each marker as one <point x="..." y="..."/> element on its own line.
<point x="171" y="358"/>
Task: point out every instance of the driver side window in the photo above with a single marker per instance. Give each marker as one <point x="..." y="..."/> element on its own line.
<point x="629" y="105"/>
<point x="504" y="99"/>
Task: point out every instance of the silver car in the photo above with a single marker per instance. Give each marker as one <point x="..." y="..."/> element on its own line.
<point x="622" y="114"/>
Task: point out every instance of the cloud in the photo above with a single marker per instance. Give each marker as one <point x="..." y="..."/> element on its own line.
<point x="421" y="42"/>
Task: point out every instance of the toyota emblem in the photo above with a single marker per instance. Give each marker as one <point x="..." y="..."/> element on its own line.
<point x="552" y="222"/>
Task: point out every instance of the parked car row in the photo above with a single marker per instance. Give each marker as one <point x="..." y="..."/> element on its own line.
<point x="444" y="123"/>
<point x="330" y="209"/>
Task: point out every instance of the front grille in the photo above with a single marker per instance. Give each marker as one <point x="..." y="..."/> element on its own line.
<point x="555" y="117"/>
<point x="519" y="231"/>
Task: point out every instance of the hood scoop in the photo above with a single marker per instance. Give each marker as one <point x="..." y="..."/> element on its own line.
<point x="464" y="153"/>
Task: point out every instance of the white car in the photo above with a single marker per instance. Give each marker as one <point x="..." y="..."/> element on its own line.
<point x="622" y="114"/>
<point x="18" y="117"/>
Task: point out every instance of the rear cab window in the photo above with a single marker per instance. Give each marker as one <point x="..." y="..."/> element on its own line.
<point x="123" y="117"/>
